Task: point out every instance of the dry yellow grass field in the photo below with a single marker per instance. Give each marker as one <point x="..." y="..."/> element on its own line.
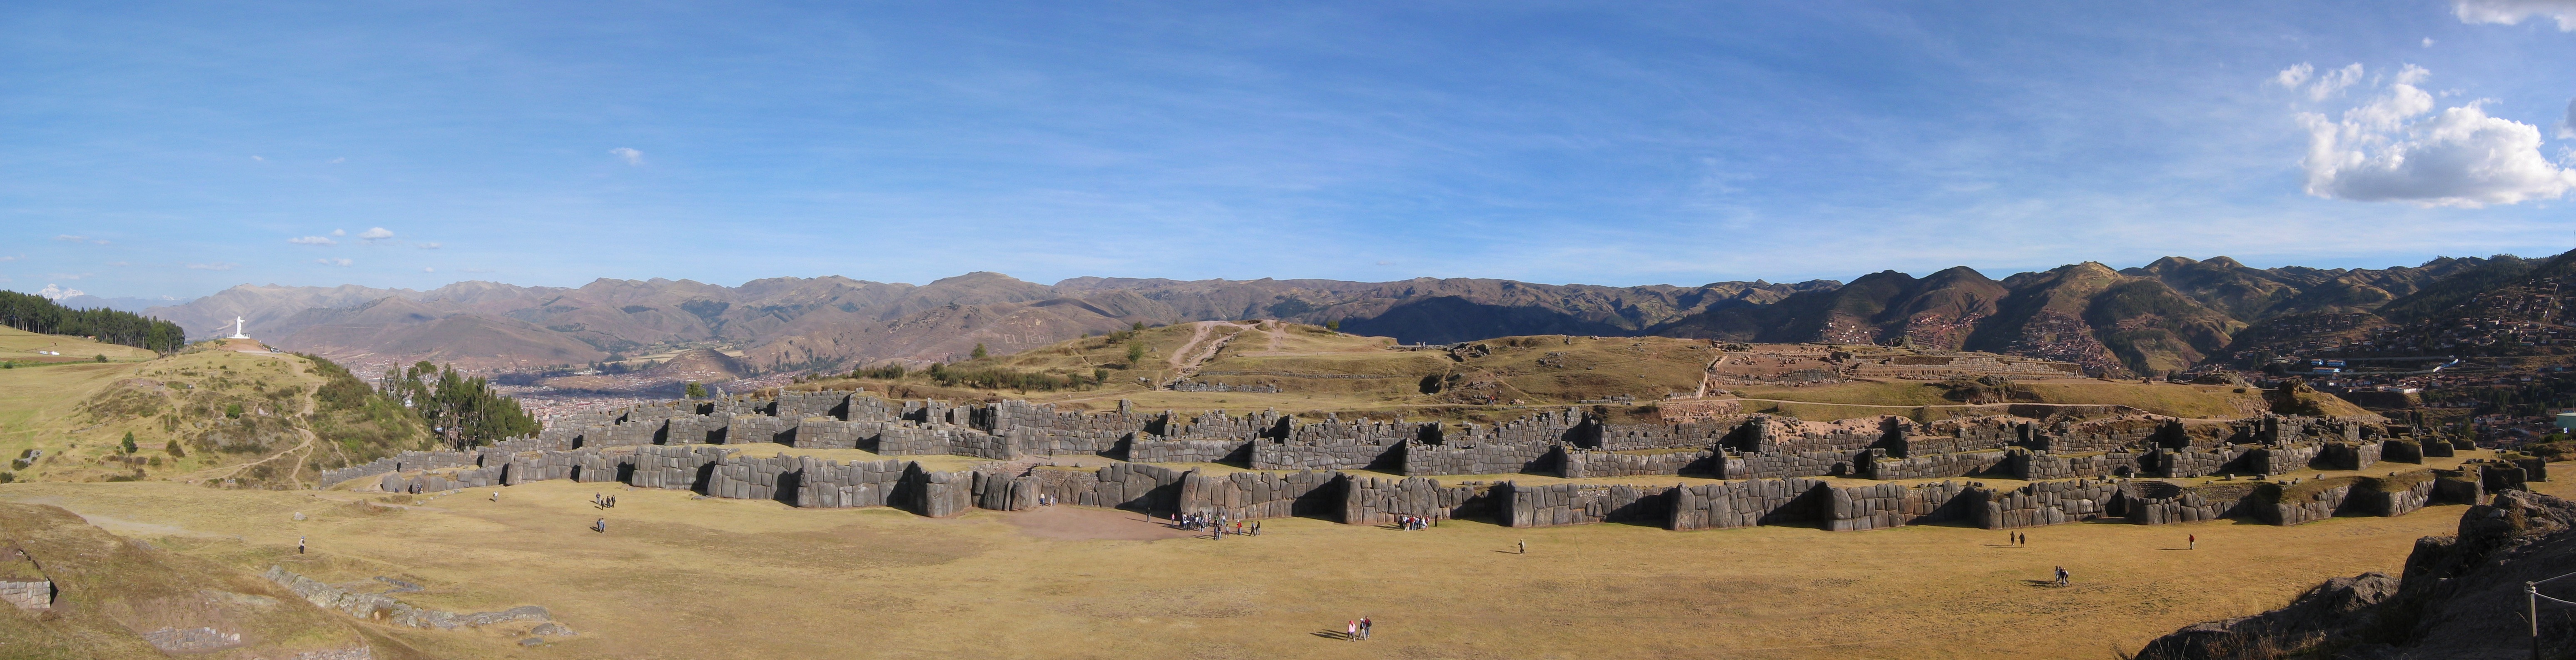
<point x="680" y="577"/>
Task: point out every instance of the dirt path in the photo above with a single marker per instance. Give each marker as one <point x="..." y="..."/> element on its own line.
<point x="1187" y="359"/>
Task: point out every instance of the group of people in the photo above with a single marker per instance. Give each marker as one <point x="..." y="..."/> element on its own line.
<point x="1215" y="524"/>
<point x="603" y="500"/>
<point x="1412" y="522"/>
<point x="1357" y="631"/>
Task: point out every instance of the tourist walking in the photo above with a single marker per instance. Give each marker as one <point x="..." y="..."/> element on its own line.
<point x="1364" y="628"/>
<point x="2061" y="576"/>
<point x="1351" y="631"/>
<point x="1524" y="547"/>
<point x="601" y="526"/>
<point x="299" y="545"/>
<point x="2194" y="542"/>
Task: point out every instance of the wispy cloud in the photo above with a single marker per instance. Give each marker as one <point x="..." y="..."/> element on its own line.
<point x="70" y="238"/>
<point x="2512" y="12"/>
<point x="427" y="246"/>
<point x="376" y="234"/>
<point x="120" y="263"/>
<point x="13" y="257"/>
<point x="312" y="240"/>
<point x="339" y="232"/>
<point x="214" y="266"/>
<point x="428" y="269"/>
<point x="327" y="261"/>
<point x="631" y="156"/>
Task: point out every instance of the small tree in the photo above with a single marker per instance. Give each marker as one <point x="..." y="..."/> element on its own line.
<point x="695" y="391"/>
<point x="1099" y="376"/>
<point x="174" y="450"/>
<point x="129" y="443"/>
<point x="1139" y="325"/>
<point x="1333" y="325"/>
<point x="232" y="411"/>
<point x="102" y="357"/>
<point x="979" y="352"/>
<point x="1135" y="354"/>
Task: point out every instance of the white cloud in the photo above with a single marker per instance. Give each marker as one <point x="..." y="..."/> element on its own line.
<point x="71" y="238"/>
<point x="326" y="261"/>
<point x="339" y="232"/>
<point x="214" y="266"/>
<point x="2319" y="87"/>
<point x="2381" y="151"/>
<point x="376" y="234"/>
<point x="2334" y="81"/>
<point x="2428" y="42"/>
<point x="13" y="257"/>
<point x="2296" y="75"/>
<point x="427" y="246"/>
<point x="345" y="159"/>
<point x="312" y="240"/>
<point x="428" y="269"/>
<point x="632" y="156"/>
<point x="256" y="158"/>
<point x="53" y="292"/>
<point x="2511" y="12"/>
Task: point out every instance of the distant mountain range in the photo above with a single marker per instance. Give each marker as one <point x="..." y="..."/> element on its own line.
<point x="2162" y="317"/>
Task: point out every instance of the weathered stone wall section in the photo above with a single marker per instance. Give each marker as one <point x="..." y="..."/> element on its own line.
<point x="679" y="467"/>
<point x="1930" y="466"/>
<point x="1378" y="501"/>
<point x="1256" y="495"/>
<point x="2348" y="455"/>
<point x="2048" y="503"/>
<point x="1759" y="465"/>
<point x="831" y="485"/>
<point x="29" y="595"/>
<point x="1746" y="504"/>
<point x="1477" y="456"/>
<point x="1549" y="505"/>
<point x="2043" y="466"/>
<point x="1893" y="505"/>
<point x="1153" y="449"/>
<point x="1583" y="463"/>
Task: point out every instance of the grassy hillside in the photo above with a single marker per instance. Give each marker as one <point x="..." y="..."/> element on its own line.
<point x="201" y="415"/>
<point x="1317" y="370"/>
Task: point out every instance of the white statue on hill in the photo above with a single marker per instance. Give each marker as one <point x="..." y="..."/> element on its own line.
<point x="237" y="329"/>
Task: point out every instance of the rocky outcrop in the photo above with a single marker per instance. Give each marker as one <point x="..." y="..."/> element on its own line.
<point x="2460" y="597"/>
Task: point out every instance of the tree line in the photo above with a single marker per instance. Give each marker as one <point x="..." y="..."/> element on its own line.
<point x="462" y="411"/>
<point x="34" y="313"/>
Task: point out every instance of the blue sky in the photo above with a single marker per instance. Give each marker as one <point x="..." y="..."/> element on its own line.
<point x="177" y="149"/>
